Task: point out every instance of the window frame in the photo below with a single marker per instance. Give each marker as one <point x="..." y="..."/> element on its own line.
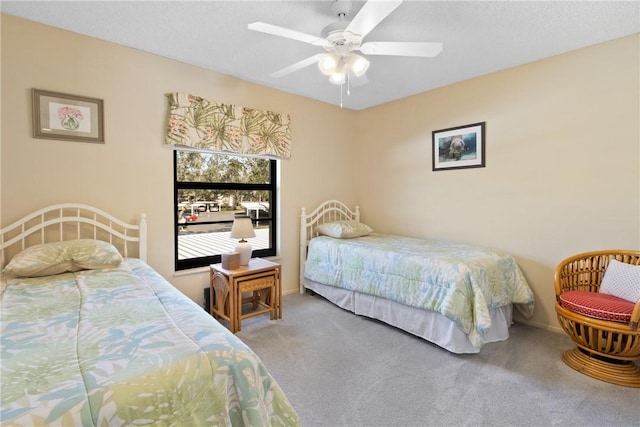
<point x="272" y="187"/>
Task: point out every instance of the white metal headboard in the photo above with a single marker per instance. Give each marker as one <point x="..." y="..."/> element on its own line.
<point x="331" y="210"/>
<point x="72" y="221"/>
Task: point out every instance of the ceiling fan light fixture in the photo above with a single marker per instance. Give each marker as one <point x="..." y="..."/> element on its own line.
<point x="338" y="78"/>
<point x="328" y="64"/>
<point x="339" y="75"/>
<point x="358" y="65"/>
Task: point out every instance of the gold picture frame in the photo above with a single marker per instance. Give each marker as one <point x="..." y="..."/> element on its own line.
<point x="67" y="117"/>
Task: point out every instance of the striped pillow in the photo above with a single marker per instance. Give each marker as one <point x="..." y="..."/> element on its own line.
<point x="597" y="305"/>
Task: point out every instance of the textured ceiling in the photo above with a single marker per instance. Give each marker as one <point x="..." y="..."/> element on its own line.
<point x="479" y="37"/>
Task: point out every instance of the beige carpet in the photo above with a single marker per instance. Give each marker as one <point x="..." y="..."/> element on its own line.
<point x="339" y="369"/>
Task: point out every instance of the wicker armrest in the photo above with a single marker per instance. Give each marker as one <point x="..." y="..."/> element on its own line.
<point x="635" y="317"/>
<point x="582" y="272"/>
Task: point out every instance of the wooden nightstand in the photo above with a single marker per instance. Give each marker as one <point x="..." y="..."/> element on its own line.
<point x="261" y="278"/>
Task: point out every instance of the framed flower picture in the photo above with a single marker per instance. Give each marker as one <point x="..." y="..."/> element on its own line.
<point x="68" y="117"/>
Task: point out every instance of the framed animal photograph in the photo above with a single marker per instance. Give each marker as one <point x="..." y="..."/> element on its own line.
<point x="69" y="117"/>
<point x="459" y="147"/>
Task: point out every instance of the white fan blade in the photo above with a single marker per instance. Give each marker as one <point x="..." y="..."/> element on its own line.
<point x="287" y="33"/>
<point x="371" y="14"/>
<point x="297" y="66"/>
<point x="426" y="49"/>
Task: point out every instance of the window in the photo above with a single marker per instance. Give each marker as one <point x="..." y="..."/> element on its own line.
<point x="210" y="190"/>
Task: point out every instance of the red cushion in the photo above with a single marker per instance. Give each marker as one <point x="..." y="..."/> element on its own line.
<point x="598" y="306"/>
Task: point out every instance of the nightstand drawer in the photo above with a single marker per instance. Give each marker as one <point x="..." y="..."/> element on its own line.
<point x="254" y="284"/>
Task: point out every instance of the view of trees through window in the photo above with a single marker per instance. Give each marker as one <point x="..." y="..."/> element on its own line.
<point x="210" y="191"/>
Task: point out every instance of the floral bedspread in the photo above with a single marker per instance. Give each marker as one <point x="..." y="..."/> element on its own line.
<point x="122" y="346"/>
<point x="462" y="282"/>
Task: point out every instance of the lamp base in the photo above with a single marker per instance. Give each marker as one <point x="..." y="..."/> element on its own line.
<point x="244" y="249"/>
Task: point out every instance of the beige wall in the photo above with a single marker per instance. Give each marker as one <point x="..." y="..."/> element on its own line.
<point x="132" y="172"/>
<point x="562" y="172"/>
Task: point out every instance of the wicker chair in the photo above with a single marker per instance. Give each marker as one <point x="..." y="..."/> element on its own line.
<point x="606" y="350"/>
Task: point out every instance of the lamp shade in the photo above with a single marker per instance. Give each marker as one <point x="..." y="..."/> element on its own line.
<point x="358" y="65"/>
<point x="337" y="78"/>
<point x="328" y="64"/>
<point x="243" y="229"/>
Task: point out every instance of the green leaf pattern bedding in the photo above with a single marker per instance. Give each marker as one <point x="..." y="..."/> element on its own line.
<point x="462" y="282"/>
<point x="121" y="346"/>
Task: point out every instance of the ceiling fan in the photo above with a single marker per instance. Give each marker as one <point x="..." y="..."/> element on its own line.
<point x="341" y="41"/>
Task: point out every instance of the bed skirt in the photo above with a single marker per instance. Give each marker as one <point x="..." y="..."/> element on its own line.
<point x="425" y="324"/>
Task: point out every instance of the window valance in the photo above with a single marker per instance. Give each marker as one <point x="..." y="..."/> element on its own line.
<point x="201" y="124"/>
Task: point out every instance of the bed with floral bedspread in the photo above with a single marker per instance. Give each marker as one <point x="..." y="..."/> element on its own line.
<point x="464" y="283"/>
<point x="121" y="346"/>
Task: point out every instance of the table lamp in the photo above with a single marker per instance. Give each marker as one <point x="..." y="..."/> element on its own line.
<point x="243" y="229"/>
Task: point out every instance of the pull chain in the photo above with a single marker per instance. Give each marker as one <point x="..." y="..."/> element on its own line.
<point x="348" y="89"/>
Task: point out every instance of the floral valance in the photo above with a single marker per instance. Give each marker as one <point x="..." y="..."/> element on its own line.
<point x="201" y="124"/>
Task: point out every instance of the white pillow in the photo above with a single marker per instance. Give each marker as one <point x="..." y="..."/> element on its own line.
<point x="344" y="229"/>
<point x="621" y="280"/>
<point x="60" y="257"/>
